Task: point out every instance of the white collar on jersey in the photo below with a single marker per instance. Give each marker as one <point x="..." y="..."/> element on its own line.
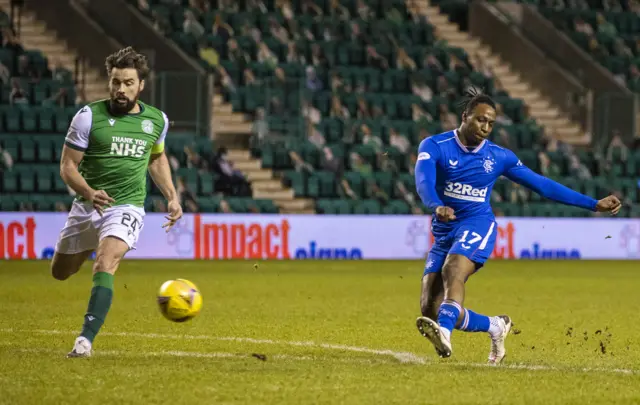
<point x="464" y="148"/>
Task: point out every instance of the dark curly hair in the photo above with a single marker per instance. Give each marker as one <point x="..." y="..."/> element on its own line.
<point x="128" y="58"/>
<point x="473" y="97"/>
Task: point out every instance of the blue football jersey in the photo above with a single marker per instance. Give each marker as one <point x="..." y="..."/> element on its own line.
<point x="465" y="177"/>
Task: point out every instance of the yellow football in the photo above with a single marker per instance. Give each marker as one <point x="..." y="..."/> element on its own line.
<point x="179" y="300"/>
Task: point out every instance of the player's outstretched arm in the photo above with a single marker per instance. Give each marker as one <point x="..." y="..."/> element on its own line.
<point x="519" y="173"/>
<point x="160" y="172"/>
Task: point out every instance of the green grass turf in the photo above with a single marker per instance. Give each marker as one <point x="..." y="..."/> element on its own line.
<point x="578" y="323"/>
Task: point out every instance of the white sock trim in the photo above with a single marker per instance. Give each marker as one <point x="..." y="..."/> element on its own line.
<point x="465" y="320"/>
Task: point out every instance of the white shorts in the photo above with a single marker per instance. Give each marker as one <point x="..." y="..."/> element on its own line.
<point x="85" y="228"/>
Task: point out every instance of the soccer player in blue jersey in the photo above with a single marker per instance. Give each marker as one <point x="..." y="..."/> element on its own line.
<point x="455" y="173"/>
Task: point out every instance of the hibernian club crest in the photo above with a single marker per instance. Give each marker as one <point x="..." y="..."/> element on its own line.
<point x="147" y="126"/>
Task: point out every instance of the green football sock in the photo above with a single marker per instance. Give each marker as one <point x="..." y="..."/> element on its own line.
<point x="99" y="304"/>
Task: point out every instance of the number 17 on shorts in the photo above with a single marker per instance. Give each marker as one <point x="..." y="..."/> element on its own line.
<point x="475" y="240"/>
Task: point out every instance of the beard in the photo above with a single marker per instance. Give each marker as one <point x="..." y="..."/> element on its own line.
<point x="122" y="105"/>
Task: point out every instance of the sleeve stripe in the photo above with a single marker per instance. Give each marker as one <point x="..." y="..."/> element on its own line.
<point x="157" y="148"/>
<point x="75" y="147"/>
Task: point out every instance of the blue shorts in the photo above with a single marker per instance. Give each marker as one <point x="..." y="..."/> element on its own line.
<point x="473" y="239"/>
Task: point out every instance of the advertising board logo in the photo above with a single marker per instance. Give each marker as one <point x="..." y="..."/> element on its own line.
<point x="418" y="236"/>
<point x="322" y="252"/>
<point x="17" y="239"/>
<point x="630" y="240"/>
<point x="504" y="248"/>
<point x="181" y="238"/>
<point x="241" y="240"/>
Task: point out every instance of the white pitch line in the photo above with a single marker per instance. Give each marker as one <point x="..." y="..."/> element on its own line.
<point x="206" y="355"/>
<point x="403" y="357"/>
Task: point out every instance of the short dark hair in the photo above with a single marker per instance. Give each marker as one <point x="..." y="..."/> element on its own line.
<point x="128" y="58"/>
<point x="473" y="97"/>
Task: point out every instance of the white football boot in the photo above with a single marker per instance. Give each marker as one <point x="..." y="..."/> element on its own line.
<point x="432" y="331"/>
<point x="498" y="351"/>
<point x="82" y="348"/>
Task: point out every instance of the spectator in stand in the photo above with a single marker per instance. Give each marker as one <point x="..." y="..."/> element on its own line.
<point x="581" y="26"/>
<point x="375" y="60"/>
<point x="232" y="181"/>
<point x="448" y="120"/>
<point x="617" y="149"/>
<point x="330" y="163"/>
<point x="191" y="26"/>
<point x="577" y="169"/>
<point x="313" y="82"/>
<point x="314" y="136"/>
<point x="237" y="54"/>
<point x="404" y="61"/>
<point x="337" y="109"/>
<point x="224" y="207"/>
<point x="18" y="95"/>
<point x="400" y="142"/>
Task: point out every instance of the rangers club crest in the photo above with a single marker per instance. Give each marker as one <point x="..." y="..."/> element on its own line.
<point x="488" y="164"/>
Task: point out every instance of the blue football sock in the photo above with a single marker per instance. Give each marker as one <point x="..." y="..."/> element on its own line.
<point x="448" y="314"/>
<point x="474" y="322"/>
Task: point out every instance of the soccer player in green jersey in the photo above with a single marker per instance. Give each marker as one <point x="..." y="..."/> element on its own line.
<point x="109" y="147"/>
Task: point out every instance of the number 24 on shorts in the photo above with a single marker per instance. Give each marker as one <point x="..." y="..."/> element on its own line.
<point x="130" y="221"/>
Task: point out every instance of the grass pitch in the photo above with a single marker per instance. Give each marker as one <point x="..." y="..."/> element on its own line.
<point x="321" y="333"/>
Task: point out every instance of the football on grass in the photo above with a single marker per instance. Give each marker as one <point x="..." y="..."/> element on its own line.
<point x="179" y="300"/>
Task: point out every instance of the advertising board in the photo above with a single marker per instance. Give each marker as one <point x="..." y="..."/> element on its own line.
<point x="25" y="235"/>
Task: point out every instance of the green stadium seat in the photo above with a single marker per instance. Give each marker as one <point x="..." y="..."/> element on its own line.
<point x="29" y="120"/>
<point x="61" y="119"/>
<point x="42" y="202"/>
<point x="27" y="179"/>
<point x="27" y="149"/>
<point x="367" y="207"/>
<point x="324" y="207"/>
<point x="356" y="182"/>
<point x="297" y="181"/>
<point x="58" y="145"/>
<point x="46" y="120"/>
<point x="396" y="207"/>
<point x="267" y="206"/>
<point x="11" y="145"/>
<point x="8" y="203"/>
<point x="190" y="176"/>
<point x="9" y="182"/>
<point x="44" y="146"/>
<point x="44" y="178"/>
<point x="343" y="207"/>
<point x="12" y="120"/>
<point x="207" y="181"/>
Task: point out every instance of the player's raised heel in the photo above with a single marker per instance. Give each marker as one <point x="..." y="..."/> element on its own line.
<point x="431" y="330"/>
<point x="81" y="348"/>
<point x="498" y="351"/>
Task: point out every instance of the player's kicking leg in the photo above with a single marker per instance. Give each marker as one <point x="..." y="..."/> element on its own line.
<point x="110" y="252"/>
<point x="456" y="270"/>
